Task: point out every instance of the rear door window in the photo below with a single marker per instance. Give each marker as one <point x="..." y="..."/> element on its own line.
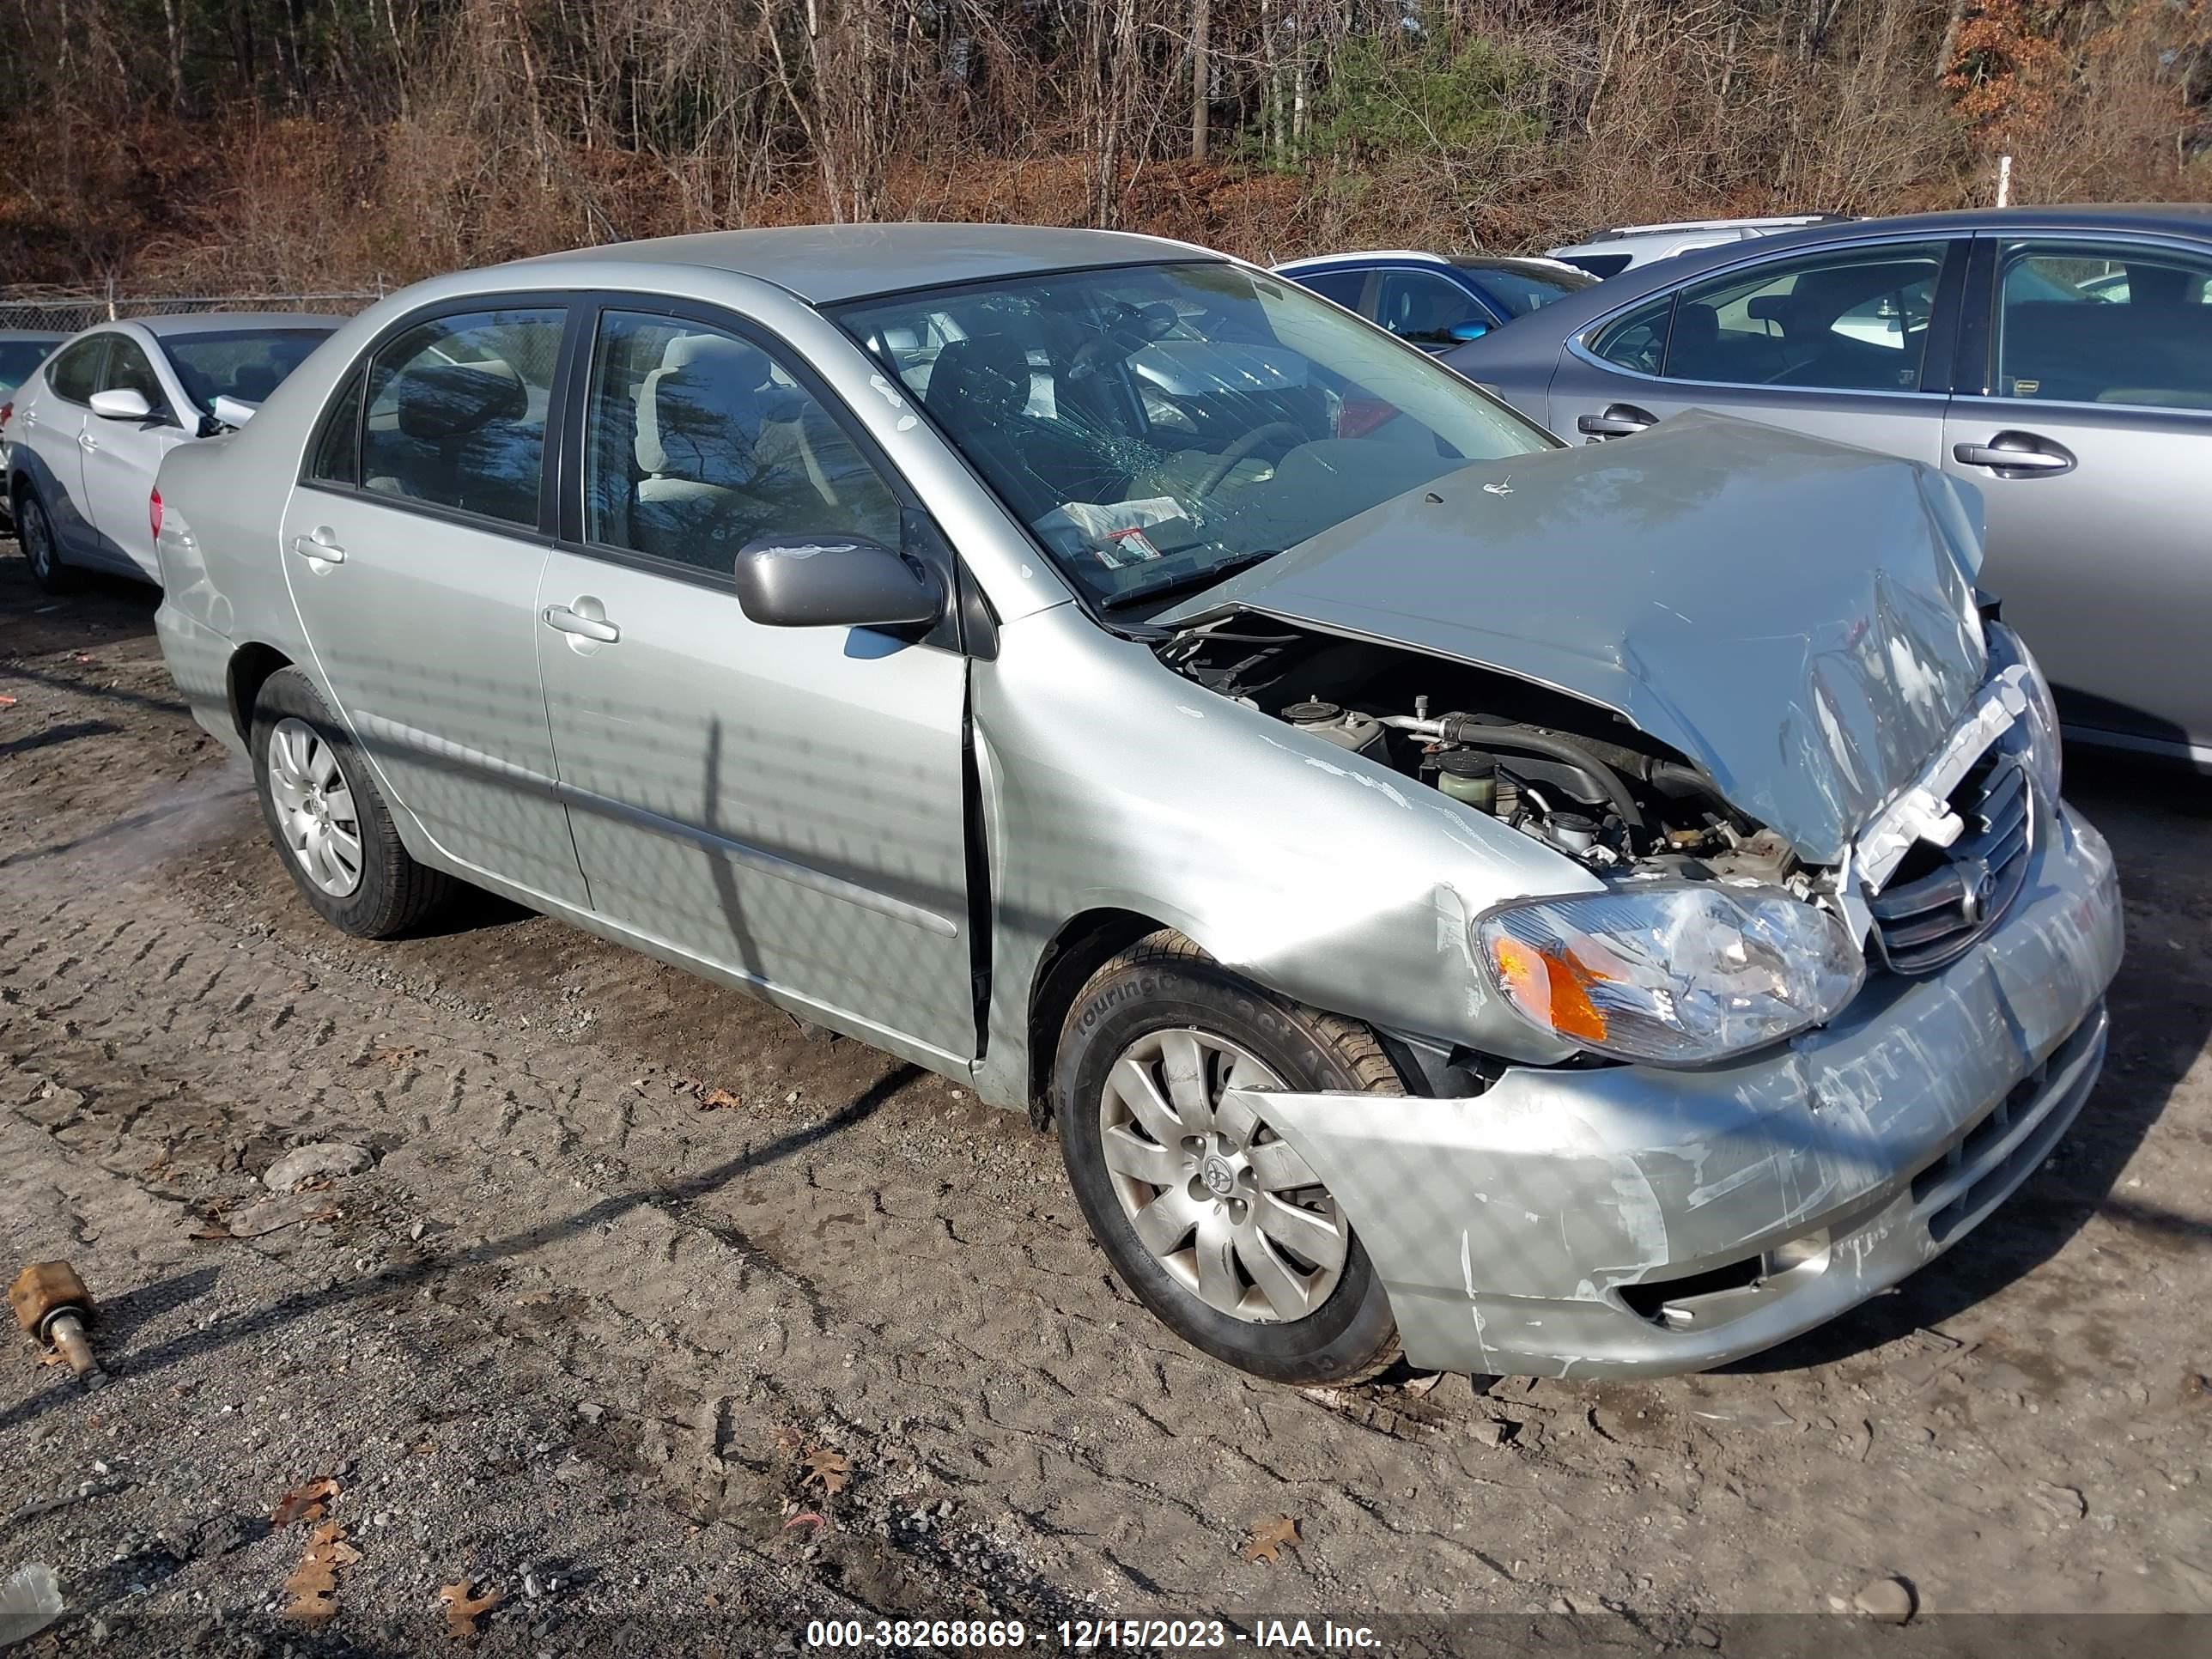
<point x="1845" y="321"/>
<point x="457" y="412"/>
<point x="1853" y="321"/>
<point x="2086" y="324"/>
<point x="1345" y="287"/>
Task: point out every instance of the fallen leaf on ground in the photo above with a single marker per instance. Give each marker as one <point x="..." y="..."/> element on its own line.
<point x="52" y="1356"/>
<point x="533" y="1299"/>
<point x="717" y="1099"/>
<point x="828" y="1468"/>
<point x="398" y="1056"/>
<point x="303" y="1503"/>
<point x="462" y="1612"/>
<point x="1270" y="1538"/>
<point x="313" y="1584"/>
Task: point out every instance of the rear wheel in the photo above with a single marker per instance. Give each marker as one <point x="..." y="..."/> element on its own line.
<point x="35" y="532"/>
<point x="328" y="820"/>
<point x="1206" y="1213"/>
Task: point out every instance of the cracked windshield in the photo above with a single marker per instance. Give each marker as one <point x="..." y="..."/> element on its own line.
<point x="1159" y="428"/>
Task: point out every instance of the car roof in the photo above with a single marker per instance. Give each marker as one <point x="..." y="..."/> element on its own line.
<point x="225" y="322"/>
<point x="1532" y="264"/>
<point x="824" y="265"/>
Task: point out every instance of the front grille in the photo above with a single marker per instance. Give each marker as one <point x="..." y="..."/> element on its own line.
<point x="1943" y="898"/>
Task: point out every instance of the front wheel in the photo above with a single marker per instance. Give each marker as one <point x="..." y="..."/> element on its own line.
<point x="1210" y="1217"/>
<point x="34" y="530"/>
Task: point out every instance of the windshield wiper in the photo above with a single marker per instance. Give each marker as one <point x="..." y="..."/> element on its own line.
<point x="1196" y="579"/>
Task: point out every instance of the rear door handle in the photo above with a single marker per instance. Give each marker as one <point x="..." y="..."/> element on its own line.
<point x="561" y="617"/>
<point x="86" y="442"/>
<point x="1618" y="421"/>
<point x="2015" y="452"/>
<point x="319" y="544"/>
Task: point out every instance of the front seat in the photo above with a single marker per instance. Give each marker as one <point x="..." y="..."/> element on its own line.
<point x="699" y="420"/>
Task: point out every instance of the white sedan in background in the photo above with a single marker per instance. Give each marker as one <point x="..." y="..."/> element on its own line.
<point x="85" y="433"/>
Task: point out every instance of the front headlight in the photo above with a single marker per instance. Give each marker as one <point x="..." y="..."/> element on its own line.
<point x="1679" y="974"/>
<point x="2042" y="756"/>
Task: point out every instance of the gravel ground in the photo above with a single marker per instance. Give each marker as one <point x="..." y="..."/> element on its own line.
<point x="678" y="1326"/>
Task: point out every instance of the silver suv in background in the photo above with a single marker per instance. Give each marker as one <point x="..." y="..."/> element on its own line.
<point x="1609" y="252"/>
<point x="85" y="431"/>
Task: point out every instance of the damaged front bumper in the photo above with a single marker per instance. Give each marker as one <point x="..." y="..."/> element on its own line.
<point x="1626" y="1220"/>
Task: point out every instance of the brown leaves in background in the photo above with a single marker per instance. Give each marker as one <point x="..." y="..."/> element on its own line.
<point x="1270" y="1538"/>
<point x="462" y="1611"/>
<point x="303" y="1503"/>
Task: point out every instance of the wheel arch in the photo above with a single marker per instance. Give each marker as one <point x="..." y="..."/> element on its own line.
<point x="251" y="666"/>
<point x="1082" y="944"/>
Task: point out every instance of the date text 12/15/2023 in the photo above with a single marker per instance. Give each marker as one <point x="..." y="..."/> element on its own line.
<point x="1089" y="1635"/>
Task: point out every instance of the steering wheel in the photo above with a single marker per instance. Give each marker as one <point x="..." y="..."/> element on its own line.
<point x="1225" y="463"/>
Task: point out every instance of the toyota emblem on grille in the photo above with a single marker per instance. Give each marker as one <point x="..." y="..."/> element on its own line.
<point x="1977" y="881"/>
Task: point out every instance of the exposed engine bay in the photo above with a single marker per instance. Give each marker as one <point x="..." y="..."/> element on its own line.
<point x="1578" y="778"/>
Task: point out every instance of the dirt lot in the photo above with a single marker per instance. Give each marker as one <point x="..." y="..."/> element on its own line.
<point x="632" y="1251"/>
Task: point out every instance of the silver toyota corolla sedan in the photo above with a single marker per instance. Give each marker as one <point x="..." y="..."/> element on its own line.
<point x="1452" y="891"/>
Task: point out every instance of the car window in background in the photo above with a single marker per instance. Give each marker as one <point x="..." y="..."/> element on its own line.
<point x="698" y="442"/>
<point x="1599" y="266"/>
<point x="247" y="365"/>
<point x="1638" y="341"/>
<point x="129" y="369"/>
<point x="76" y="373"/>
<point x="1202" y="417"/>
<point x="1845" y="321"/>
<point x="1518" y="292"/>
<point x="457" y="412"/>
<point x="2091" y="324"/>
<point x="1345" y="287"/>
<point x="1424" y="307"/>
<point x="17" y="359"/>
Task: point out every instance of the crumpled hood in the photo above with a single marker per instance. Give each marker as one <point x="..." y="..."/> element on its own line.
<point x="1796" y="617"/>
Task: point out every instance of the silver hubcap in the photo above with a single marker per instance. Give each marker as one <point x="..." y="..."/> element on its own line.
<point x="37" y="547"/>
<point x="315" y="806"/>
<point x="1228" y="1208"/>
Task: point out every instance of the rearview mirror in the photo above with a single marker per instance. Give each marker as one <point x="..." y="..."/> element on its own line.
<point x="121" y="404"/>
<point x="1465" y="331"/>
<point x="834" y="581"/>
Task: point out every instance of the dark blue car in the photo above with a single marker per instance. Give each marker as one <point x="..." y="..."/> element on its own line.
<point x="1432" y="301"/>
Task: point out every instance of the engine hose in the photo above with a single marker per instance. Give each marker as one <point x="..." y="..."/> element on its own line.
<point x="1509" y="739"/>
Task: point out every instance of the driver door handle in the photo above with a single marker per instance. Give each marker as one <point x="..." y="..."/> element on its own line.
<point x="318" y="544"/>
<point x="1618" y="421"/>
<point x="561" y="617"/>
<point x="2015" y="452"/>
<point x="86" y="442"/>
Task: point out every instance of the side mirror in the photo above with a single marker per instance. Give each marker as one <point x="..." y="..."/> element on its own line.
<point x="233" y="411"/>
<point x="1470" y="330"/>
<point x="834" y="581"/>
<point x="121" y="404"/>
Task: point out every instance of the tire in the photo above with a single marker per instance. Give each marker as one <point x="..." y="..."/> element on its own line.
<point x="309" y="777"/>
<point x="35" y="534"/>
<point x="1161" y="1003"/>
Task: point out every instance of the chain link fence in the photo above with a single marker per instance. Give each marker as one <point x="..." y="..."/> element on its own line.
<point x="64" y="311"/>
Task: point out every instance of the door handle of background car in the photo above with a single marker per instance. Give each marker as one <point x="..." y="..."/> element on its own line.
<point x="318" y="544"/>
<point x="566" y="620"/>
<point x="1618" y="421"/>
<point x="2015" y="452"/>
